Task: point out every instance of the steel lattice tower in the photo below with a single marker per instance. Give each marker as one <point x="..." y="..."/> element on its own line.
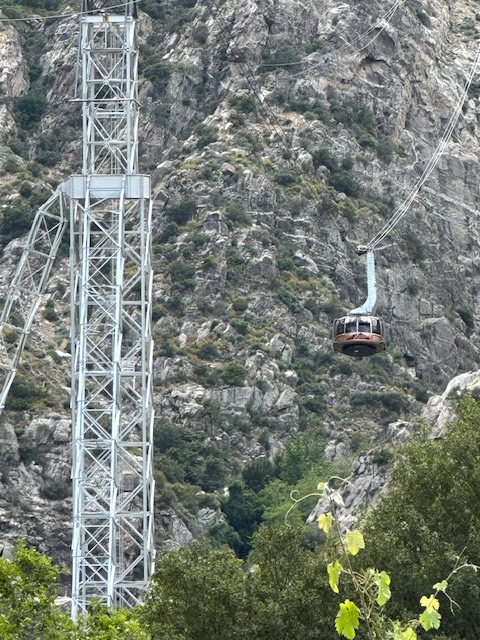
<point x="111" y="291"/>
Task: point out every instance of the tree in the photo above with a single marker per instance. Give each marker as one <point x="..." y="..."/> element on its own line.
<point x="29" y="584"/>
<point x="198" y="592"/>
<point x="28" y="587"/>
<point x="429" y="517"/>
<point x="288" y="592"/>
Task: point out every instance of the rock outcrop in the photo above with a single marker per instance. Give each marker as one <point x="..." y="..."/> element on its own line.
<point x="275" y="149"/>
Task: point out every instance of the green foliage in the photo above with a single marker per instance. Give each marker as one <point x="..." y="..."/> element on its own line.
<point x="30" y="107"/>
<point x="391" y="401"/>
<point x="370" y="587"/>
<point x="347" y="622"/>
<point x="430" y="517"/>
<point x="56" y="490"/>
<point x="49" y="312"/>
<point x="29" y="584"/>
<point x="28" y="587"/>
<point x="185" y="456"/>
<point x="182" y="212"/>
<point x="323" y="158"/>
<point x="234" y="374"/>
<point x="243" y="510"/>
<point x="345" y="182"/>
<point x="169" y="232"/>
<point x="24" y="392"/>
<point x="197" y="593"/>
<point x="206" y="134"/>
<point x="244" y="104"/>
<point x="238" y="215"/>
<point x="286" y="178"/>
<point x="353" y="115"/>
<point x="240" y="303"/>
<point x="413" y="246"/>
<point x="258" y="473"/>
<point x="16" y="220"/>
<point x="207" y="350"/>
<point x="200" y="34"/>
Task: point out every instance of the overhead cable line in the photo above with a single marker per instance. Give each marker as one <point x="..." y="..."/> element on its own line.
<point x="381" y="24"/>
<point x="64" y="16"/>
<point x="404" y="207"/>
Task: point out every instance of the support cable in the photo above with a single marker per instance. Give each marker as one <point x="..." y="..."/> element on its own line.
<point x="404" y="207"/>
<point x="381" y="24"/>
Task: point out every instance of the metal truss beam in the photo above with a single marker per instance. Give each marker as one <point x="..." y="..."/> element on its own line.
<point x="111" y="276"/>
<point x="29" y="283"/>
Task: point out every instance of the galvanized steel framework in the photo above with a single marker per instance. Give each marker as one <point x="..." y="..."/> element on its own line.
<point x="111" y="278"/>
<point x="111" y="338"/>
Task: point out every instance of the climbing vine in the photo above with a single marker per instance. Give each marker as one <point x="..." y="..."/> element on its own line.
<point x="370" y="588"/>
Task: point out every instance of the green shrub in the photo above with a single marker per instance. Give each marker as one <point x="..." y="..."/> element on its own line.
<point x="11" y="165"/>
<point x="26" y="451"/>
<point x="182" y="212"/>
<point x="175" y="303"/>
<point x="392" y="401"/>
<point x="413" y="246"/>
<point x="16" y="220"/>
<point x="286" y="178"/>
<point x="343" y="367"/>
<point x="49" y="312"/>
<point x="244" y="104"/>
<point x="26" y="190"/>
<point x="323" y="158"/>
<point x="30" y="108"/>
<point x="240" y="303"/>
<point x="345" y="182"/>
<point x="206" y="134"/>
<point x="23" y="393"/>
<point x="209" y="263"/>
<point x="207" y="350"/>
<point x="240" y="326"/>
<point x="413" y="286"/>
<point x="234" y="374"/>
<point x="258" y="473"/>
<point x="236" y="213"/>
<point x="169" y="232"/>
<point x="382" y="456"/>
<point x="200" y="34"/>
<point x="180" y="271"/>
<point x="57" y="490"/>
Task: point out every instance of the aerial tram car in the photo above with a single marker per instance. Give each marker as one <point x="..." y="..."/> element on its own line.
<point x="360" y="333"/>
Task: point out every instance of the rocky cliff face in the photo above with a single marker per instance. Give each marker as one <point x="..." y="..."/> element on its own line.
<point x="275" y="150"/>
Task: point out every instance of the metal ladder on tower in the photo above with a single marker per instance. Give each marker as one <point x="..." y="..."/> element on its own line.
<point x="109" y="208"/>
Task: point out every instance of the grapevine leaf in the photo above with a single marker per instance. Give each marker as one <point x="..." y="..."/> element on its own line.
<point x="325" y="521"/>
<point x="347" y="619"/>
<point x="334" y="571"/>
<point x="408" y="634"/>
<point x="430" y="604"/>
<point x="430" y="619"/>
<point x="382" y="580"/>
<point x="337" y="498"/>
<point x="355" y="541"/>
<point x="441" y="586"/>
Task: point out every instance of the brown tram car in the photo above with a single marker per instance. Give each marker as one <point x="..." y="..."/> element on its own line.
<point x="358" y="335"/>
